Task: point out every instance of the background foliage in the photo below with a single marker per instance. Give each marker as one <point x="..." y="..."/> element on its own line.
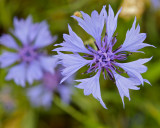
<point x="143" y="111"/>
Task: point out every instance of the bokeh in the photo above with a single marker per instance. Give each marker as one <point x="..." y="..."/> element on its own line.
<point x="142" y="111"/>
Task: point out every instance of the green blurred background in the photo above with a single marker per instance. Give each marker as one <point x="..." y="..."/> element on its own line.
<point x="143" y="111"/>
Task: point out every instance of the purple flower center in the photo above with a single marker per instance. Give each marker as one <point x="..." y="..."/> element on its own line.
<point x="104" y="58"/>
<point x="28" y="53"/>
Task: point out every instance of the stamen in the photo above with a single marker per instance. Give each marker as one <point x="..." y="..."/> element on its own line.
<point x="105" y="43"/>
<point x="90" y="56"/>
<point x="91" y="49"/>
<point x="110" y="75"/>
<point x="117" y="68"/>
<point x="96" y="45"/>
<point x="104" y="73"/>
<point x="104" y="58"/>
<point x="107" y="49"/>
<point x="91" y="69"/>
<point x="117" y="49"/>
<point x="114" y="40"/>
<point x="121" y="57"/>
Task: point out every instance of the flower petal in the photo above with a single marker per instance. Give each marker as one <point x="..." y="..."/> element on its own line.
<point x="134" y="40"/>
<point x="72" y="43"/>
<point x="44" y="37"/>
<point x="8" y="58"/>
<point x="145" y="80"/>
<point x="91" y="86"/>
<point x="156" y="4"/>
<point x="72" y="63"/>
<point x="111" y="23"/>
<point x="135" y="68"/>
<point x="39" y="96"/>
<point x="18" y="74"/>
<point x="34" y="72"/>
<point x="124" y="84"/>
<point x="8" y="41"/>
<point x="48" y="63"/>
<point x="22" y="28"/>
<point x="65" y="93"/>
<point x="93" y="25"/>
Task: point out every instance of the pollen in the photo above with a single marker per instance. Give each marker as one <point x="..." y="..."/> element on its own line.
<point x="78" y="14"/>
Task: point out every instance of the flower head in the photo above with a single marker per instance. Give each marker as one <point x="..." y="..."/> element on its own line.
<point x="104" y="58"/>
<point x="32" y="61"/>
<point x="42" y="95"/>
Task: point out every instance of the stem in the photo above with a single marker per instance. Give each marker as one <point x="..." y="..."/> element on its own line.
<point x="69" y="110"/>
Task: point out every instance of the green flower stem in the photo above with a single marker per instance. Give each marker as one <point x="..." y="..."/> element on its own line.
<point x="70" y="110"/>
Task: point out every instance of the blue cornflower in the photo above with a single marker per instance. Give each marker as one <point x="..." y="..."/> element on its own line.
<point x="42" y="95"/>
<point x="103" y="59"/>
<point x="31" y="61"/>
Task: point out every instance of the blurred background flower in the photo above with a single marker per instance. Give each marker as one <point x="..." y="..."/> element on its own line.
<point x="42" y="95"/>
<point x="84" y="111"/>
<point x="32" y="61"/>
<point x="132" y="8"/>
<point x="156" y="4"/>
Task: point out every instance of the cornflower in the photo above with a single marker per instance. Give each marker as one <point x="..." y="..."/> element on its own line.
<point x="43" y="94"/>
<point x="29" y="57"/>
<point x="104" y="58"/>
